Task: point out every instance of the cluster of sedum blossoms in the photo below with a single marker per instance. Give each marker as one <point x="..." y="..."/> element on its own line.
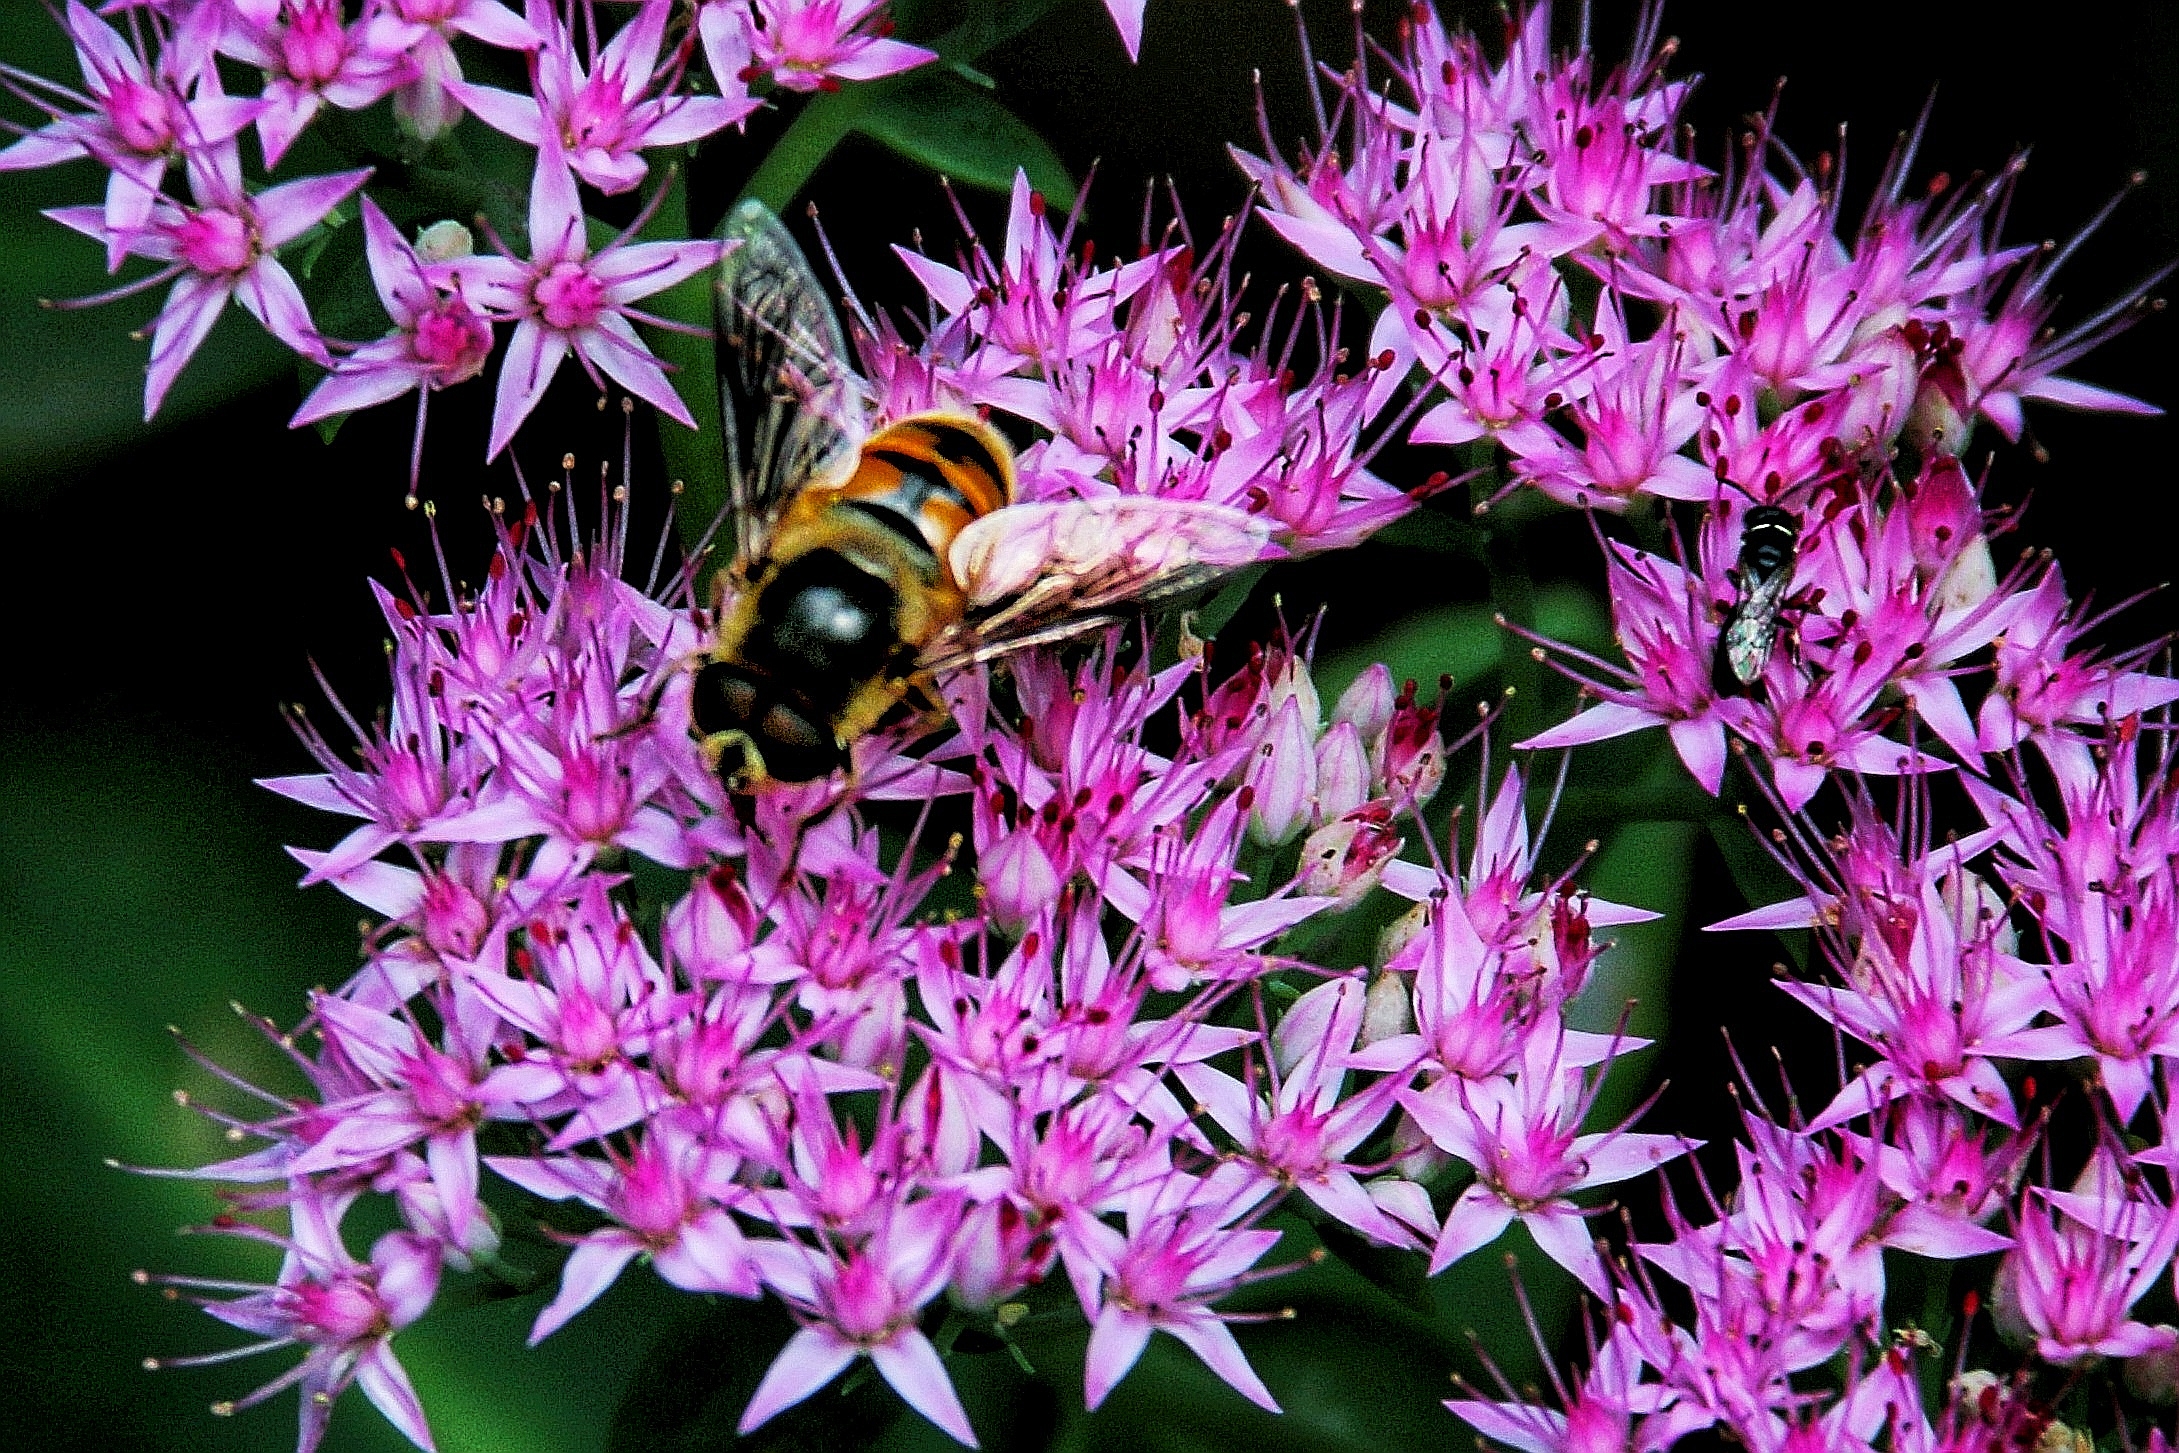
<point x="153" y="112"/>
<point x="1047" y="993"/>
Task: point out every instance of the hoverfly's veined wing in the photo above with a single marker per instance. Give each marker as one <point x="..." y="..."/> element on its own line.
<point x="1036" y="574"/>
<point x="790" y="404"/>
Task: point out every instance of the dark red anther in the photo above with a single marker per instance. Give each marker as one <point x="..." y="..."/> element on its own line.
<point x="1584" y="136"/>
<point x="400" y="562"/>
<point x="1732" y="406"/>
<point x="830" y="85"/>
<point x="1746" y="324"/>
<point x="403" y="609"/>
<point x="1245" y="798"/>
<point x="2027" y="1087"/>
<point x="1940" y="184"/>
<point x="498" y="568"/>
<point x="1036" y="204"/>
<point x="1030" y="943"/>
<point x="1971" y="1304"/>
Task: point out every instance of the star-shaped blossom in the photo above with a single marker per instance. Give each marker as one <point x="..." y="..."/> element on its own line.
<point x="603" y="115"/>
<point x="567" y="299"/>
<point x="137" y="113"/>
<point x="223" y="245"/>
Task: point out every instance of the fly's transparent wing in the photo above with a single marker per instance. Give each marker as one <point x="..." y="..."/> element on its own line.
<point x="790" y="403"/>
<point x="1036" y="574"/>
<point x="1753" y="627"/>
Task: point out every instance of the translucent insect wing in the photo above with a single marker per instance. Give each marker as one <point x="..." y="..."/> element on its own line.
<point x="1044" y="572"/>
<point x="1753" y="627"/>
<point x="790" y="404"/>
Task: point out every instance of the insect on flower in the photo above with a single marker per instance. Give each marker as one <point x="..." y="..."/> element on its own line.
<point x="868" y="563"/>
<point x="1769" y="540"/>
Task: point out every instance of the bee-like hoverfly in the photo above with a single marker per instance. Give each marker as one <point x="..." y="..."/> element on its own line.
<point x="1770" y="539"/>
<point x="869" y="563"/>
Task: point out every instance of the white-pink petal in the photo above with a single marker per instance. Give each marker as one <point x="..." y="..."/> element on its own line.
<point x="812" y="1357"/>
<point x="910" y="1363"/>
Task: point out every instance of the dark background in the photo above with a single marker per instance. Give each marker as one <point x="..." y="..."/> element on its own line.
<point x="166" y="588"/>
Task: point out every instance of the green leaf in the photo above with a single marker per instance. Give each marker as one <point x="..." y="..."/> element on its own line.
<point x="1460" y="640"/>
<point x="948" y="125"/>
<point x="1642" y="865"/>
<point x="1758" y="877"/>
<point x="695" y="458"/>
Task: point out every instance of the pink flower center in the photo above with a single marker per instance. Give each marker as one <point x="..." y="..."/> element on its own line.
<point x="453" y="340"/>
<point x="568" y="297"/>
<point x="427" y="12"/>
<point x="314" y="46"/>
<point x="653" y="1201"/>
<point x="216" y="243"/>
<point x="864" y="1306"/>
<point x="139" y="116"/>
<point x="595" y="797"/>
<point x="339" y="1311"/>
<point x="598" y="116"/>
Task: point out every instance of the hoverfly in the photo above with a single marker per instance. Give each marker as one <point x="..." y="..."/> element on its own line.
<point x="1770" y="539"/>
<point x="867" y="563"/>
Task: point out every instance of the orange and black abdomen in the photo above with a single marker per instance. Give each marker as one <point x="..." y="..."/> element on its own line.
<point x="820" y="644"/>
<point x="929" y="476"/>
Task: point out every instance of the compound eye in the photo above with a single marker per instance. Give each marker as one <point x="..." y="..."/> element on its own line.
<point x="788" y="727"/>
<point x="795" y="748"/>
<point x="724" y="698"/>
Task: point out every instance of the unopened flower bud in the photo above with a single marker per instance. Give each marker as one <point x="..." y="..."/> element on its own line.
<point x="454" y="920"/>
<point x="707" y="932"/>
<point x="1879" y="395"/>
<point x="1292" y="682"/>
<point x="2005" y="1304"/>
<point x="1283" y="772"/>
<point x="1402" y="933"/>
<point x="2058" y="1437"/>
<point x="1313" y="1017"/>
<point x="1019" y="880"/>
<point x="1940" y="421"/>
<point x="1342" y="772"/>
<point x="1389" y="1009"/>
<point x="1344" y="859"/>
<point x="1416" y="1155"/>
<point x="1411" y="762"/>
<point x="424" y="107"/>
<point x="1976" y="906"/>
<point x="1367" y="703"/>
<point x="445" y="241"/>
<point x="1983" y="1393"/>
<point x="2154" y="1376"/>
<point x="1971" y="580"/>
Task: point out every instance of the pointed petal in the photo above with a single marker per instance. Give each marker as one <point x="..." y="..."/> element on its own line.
<point x="812" y="1357"/>
<point x="1115" y="1343"/>
<point x="910" y="1363"/>
<point x="590" y="1269"/>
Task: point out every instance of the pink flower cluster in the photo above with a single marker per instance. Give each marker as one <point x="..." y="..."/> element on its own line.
<point x="152" y="98"/>
<point x="1744" y="349"/>
<point x="1738" y="332"/>
<point x="2043" y="939"/>
<point x="1139" y="382"/>
<point x="1898" y="641"/>
<point x="1108" y="1060"/>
